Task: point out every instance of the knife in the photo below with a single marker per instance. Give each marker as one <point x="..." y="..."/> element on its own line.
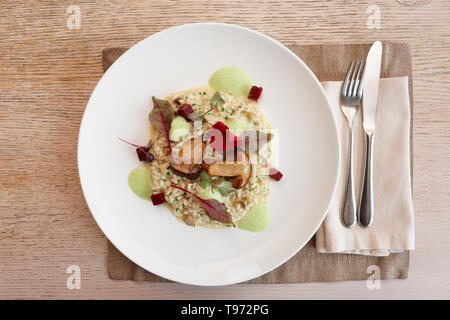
<point x="370" y="101"/>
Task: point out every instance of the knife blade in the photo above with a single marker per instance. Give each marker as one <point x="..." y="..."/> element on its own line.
<point x="370" y="100"/>
<point x="371" y="84"/>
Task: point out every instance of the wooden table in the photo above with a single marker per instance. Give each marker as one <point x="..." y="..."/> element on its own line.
<point x="47" y="72"/>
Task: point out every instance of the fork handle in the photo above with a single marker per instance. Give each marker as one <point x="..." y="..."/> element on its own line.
<point x="366" y="203"/>
<point x="349" y="205"/>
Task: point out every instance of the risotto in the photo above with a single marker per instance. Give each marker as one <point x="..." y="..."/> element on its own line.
<point x="182" y="205"/>
<point x="206" y="179"/>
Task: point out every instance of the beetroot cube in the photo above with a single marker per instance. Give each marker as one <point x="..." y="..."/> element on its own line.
<point x="255" y="93"/>
<point x="230" y="141"/>
<point x="158" y="198"/>
<point x="275" y="174"/>
<point x="144" y="155"/>
<point x="222" y="127"/>
<point x="184" y="111"/>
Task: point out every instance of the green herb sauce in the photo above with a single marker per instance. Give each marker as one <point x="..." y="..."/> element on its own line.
<point x="257" y="219"/>
<point x="232" y="80"/>
<point x="140" y="183"/>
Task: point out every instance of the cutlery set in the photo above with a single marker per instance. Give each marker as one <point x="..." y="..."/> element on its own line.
<point x="361" y="85"/>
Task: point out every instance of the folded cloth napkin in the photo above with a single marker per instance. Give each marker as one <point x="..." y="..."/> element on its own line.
<point x="393" y="225"/>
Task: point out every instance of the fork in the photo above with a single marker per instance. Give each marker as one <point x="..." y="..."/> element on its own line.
<point x="350" y="100"/>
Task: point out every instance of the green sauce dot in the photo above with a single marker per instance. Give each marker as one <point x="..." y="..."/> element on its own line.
<point x="232" y="80"/>
<point x="257" y="219"/>
<point x="140" y="182"/>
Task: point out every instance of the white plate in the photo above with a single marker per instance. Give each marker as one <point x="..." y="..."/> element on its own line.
<point x="180" y="58"/>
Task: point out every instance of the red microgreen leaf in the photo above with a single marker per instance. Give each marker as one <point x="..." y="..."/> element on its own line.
<point x="206" y="112"/>
<point x="142" y="151"/>
<point x="214" y="209"/>
<point x="161" y="117"/>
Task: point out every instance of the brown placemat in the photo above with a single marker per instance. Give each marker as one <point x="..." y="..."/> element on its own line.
<point x="328" y="62"/>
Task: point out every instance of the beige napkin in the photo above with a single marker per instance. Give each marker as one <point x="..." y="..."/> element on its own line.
<point x="393" y="226"/>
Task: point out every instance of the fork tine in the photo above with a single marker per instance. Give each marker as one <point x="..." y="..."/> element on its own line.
<point x="347" y="77"/>
<point x="358" y="80"/>
<point x="361" y="82"/>
<point x="351" y="87"/>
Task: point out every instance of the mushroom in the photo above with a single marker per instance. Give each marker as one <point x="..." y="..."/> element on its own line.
<point x="241" y="180"/>
<point x="239" y="168"/>
<point x="188" y="162"/>
<point x="186" y="171"/>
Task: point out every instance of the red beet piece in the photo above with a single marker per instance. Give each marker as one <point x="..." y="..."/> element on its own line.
<point x="222" y="127"/>
<point x="230" y="141"/>
<point x="158" y="198"/>
<point x="184" y="111"/>
<point x="144" y="155"/>
<point x="275" y="174"/>
<point x="255" y="93"/>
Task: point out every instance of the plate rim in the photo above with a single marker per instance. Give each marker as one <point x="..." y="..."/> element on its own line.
<point x="333" y="116"/>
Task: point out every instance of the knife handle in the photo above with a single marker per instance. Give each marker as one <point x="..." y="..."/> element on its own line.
<point x="349" y="205"/>
<point x="366" y="203"/>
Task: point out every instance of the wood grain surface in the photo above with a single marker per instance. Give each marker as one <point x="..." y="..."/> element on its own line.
<point x="47" y="72"/>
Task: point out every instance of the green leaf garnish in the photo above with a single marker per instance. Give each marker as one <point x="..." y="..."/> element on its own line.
<point x="217" y="99"/>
